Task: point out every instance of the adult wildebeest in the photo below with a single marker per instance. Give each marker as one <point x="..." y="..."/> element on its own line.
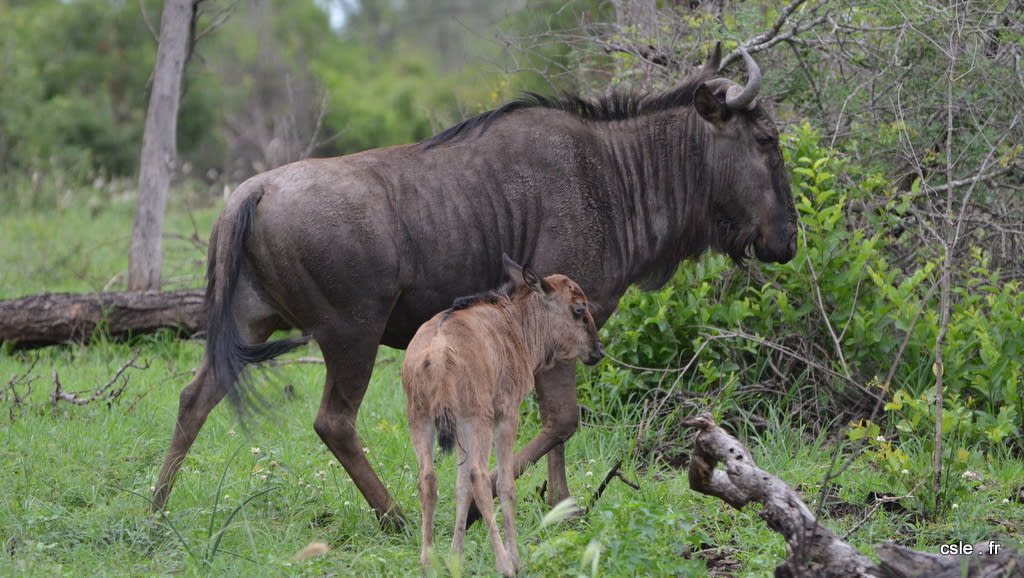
<point x="359" y="250"/>
<point x="466" y="372"/>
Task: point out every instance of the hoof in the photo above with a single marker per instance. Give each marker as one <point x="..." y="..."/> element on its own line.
<point x="392" y="522"/>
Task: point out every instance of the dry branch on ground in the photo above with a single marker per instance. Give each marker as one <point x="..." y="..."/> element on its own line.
<point x="108" y="392"/>
<point x="814" y="550"/>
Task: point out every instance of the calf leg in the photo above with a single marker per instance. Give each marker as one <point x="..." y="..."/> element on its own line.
<point x="422" y="434"/>
<point x="475" y="469"/>
<point x="556" y="398"/>
<point x="463" y="493"/>
<point x="504" y="446"/>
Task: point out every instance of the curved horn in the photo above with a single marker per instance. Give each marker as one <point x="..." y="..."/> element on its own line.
<point x="742" y="97"/>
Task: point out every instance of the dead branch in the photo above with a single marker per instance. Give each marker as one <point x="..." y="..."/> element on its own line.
<point x="820" y="302"/>
<point x="775" y="34"/>
<point x="149" y="23"/>
<point x="857" y="387"/>
<point x="613" y="473"/>
<point x="297" y="360"/>
<point x="650" y="53"/>
<point x="314" y="140"/>
<point x="814" y="550"/>
<point x="874" y="508"/>
<point x="217" y="19"/>
<point x="19" y="388"/>
<point x="109" y="392"/>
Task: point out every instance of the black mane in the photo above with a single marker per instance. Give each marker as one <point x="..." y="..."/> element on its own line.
<point x="491" y="297"/>
<point x="610" y="107"/>
<point x="487" y="297"/>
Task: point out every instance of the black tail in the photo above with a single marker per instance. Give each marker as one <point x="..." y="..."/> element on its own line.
<point x="445" y="424"/>
<point x="228" y="354"/>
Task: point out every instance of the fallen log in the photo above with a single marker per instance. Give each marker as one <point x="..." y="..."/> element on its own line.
<point x="55" y="318"/>
<point x="814" y="550"/>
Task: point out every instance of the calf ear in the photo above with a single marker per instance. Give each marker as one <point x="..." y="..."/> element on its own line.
<point x="708" y="106"/>
<point x="535" y="281"/>
<point x="512" y="269"/>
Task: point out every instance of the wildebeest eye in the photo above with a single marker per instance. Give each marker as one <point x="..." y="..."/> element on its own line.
<point x="578" y="310"/>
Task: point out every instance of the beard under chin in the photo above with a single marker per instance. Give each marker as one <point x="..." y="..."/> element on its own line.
<point x="736" y="242"/>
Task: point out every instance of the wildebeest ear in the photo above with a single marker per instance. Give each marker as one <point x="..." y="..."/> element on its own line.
<point x="535" y="281"/>
<point x="708" y="106"/>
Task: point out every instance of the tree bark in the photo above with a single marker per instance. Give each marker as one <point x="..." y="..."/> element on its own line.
<point x="813" y="550"/>
<point x="54" y="318"/>
<point x="159" y="146"/>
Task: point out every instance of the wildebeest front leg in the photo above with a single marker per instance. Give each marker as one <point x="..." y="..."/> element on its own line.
<point x="556" y="398"/>
<point x="559" y="415"/>
<point x="348" y="373"/>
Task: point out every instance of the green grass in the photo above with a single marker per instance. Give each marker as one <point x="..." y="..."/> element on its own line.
<point x="76" y="479"/>
<point x="85" y="249"/>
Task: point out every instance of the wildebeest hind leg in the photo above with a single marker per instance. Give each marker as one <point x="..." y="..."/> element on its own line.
<point x="556" y="398"/>
<point x="349" y="356"/>
<point x="199" y="398"/>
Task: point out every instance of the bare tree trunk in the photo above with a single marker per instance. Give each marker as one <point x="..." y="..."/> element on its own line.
<point x="159" y="146"/>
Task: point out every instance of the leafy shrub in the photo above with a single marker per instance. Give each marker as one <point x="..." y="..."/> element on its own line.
<point x="855" y="308"/>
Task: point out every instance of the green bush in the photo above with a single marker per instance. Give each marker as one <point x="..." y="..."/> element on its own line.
<point x="820" y="335"/>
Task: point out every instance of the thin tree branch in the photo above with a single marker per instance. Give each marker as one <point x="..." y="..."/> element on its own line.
<point x="775" y="34"/>
<point x="106" y="391"/>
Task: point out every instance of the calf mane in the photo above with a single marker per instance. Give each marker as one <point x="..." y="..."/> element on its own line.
<point x="484" y="298"/>
<point x="491" y="297"/>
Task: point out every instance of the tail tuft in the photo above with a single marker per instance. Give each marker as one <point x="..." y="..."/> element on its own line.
<point x="445" y="424"/>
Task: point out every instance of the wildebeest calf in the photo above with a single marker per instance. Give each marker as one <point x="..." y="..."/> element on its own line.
<point x="466" y="372"/>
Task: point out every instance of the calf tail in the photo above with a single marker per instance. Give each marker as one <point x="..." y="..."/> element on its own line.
<point x="444" y="421"/>
<point x="227" y="352"/>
